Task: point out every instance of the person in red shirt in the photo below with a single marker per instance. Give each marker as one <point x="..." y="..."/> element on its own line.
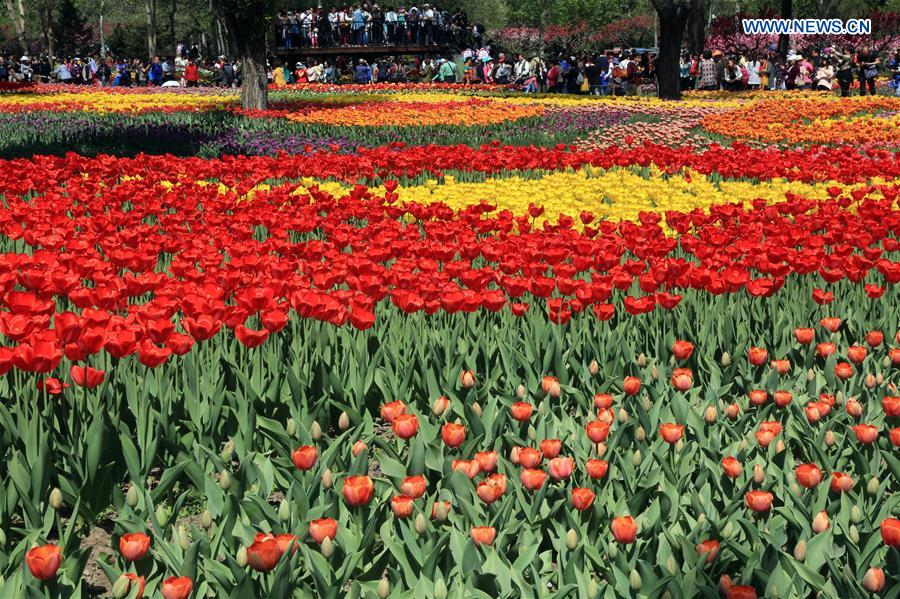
<point x="191" y="74"/>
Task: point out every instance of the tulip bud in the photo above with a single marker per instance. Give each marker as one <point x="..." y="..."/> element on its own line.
<point x="613" y="550"/>
<point x="442" y="511"/>
<point x="225" y="480"/>
<point x="800" y="551"/>
<point x="514" y="455"/>
<point x="641" y="360"/>
<point x="873" y="485"/>
<point x="290" y="427"/>
<point x="873" y="581"/>
<point x="870" y="380"/>
<point x="532" y="434"/>
<point x="654" y="373"/>
<point x="421" y="524"/>
<point x="794" y="487"/>
<point x="856" y="514"/>
<point x="886" y="362"/>
<point x="122" y="587"/>
<point x="344" y="421"/>
<point x="227" y="451"/>
<point x="327" y="479"/>
<point x="671" y="564"/>
<point x="666" y="595"/>
<point x="440" y="406"/>
<point x="848" y="573"/>
<point x="476" y="407"/>
<point x="839" y="397"/>
<point x="759" y="475"/>
<point x="384" y="587"/>
<point x="241" y="557"/>
<point x="726" y="358"/>
<point x="810" y="375"/>
<point x="640" y="434"/>
<point x="634" y="579"/>
<point x="853" y="534"/>
<point x="184" y="541"/>
<point x="327" y="547"/>
<point x="440" y="588"/>
<point x="623" y="416"/>
<point x="315" y="430"/>
<point x="593" y="589"/>
<point x="829" y="438"/>
<point x="701" y="519"/>
<point x="727" y="530"/>
<point x="743" y="445"/>
<point x="679" y="445"/>
<point x="710" y="415"/>
<point x="879" y="379"/>
<point x="56" y="499"/>
<point x="820" y="522"/>
<point x="161" y="515"/>
<point x="131" y="496"/>
<point x="636" y="458"/>
<point x="601" y="449"/>
<point x="593" y="367"/>
<point x="779" y="447"/>
<point x="2" y="538"/>
<point x="520" y="391"/>
<point x="284" y="510"/>
<point x="571" y="539"/>
<point x="648" y="405"/>
<point x="206" y="519"/>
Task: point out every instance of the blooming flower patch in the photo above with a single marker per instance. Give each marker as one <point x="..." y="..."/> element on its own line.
<point x="602" y="370"/>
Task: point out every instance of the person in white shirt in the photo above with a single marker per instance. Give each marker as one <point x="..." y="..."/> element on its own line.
<point x="521" y="70"/>
<point x="752" y="67"/>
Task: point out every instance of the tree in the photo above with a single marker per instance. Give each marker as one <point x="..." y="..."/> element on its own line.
<point x="247" y="26"/>
<point x="673" y="18"/>
<point x="150" y="11"/>
<point x="696" y="26"/>
<point x="787" y="12"/>
<point x="70" y="29"/>
<point x="16" y="11"/>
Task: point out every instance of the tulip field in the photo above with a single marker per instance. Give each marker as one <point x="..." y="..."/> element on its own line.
<point x="437" y="341"/>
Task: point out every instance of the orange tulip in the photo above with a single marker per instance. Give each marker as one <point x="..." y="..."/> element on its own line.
<point x="624" y="529"/>
<point x="323" y="528"/>
<point x="582" y="498"/>
<point x="682" y="350"/>
<point x="561" y="468"/>
<point x="305" y="457"/>
<point x="757" y="356"/>
<point x="358" y="448"/>
<point x="492" y="488"/>
<point x="709" y="548"/>
<point x="865" y="433"/>
<point x="521" y="411"/>
<point x="783" y="398"/>
<point x="759" y="501"/>
<point x="890" y="532"/>
<point x="825" y="349"/>
<point x="891" y="405"/>
<point x="682" y="379"/>
<point x="358" y="490"/>
<point x="804" y="335"/>
<point x="731" y="466"/>
<point x="758" y="397"/>
<point x="550" y="448"/>
<point x="596" y="469"/>
<point x="437" y="504"/>
<point x="414" y="486"/>
<point x="44" y="561"/>
<point x="874" y="338"/>
<point x="402" y="506"/>
<point x="533" y="479"/>
<point x="857" y="353"/>
<point x="453" y="434"/>
<point x="483" y="535"/>
<point x="603" y="401"/>
<point x="631" y="385"/>
<point x="136" y="580"/>
<point x="134" y="545"/>
<point x="895" y="436"/>
<point x="529" y="457"/>
<point x="467" y="467"/>
<point x="391" y="410"/>
<point x="547" y="383"/>
<point x="467" y="379"/>
<point x="671" y="433"/>
<point x="831" y="324"/>
<point x="177" y="587"/>
<point x="821" y="522"/>
<point x="873" y="581"/>
<point x="732" y="411"/>
<point x="808" y="475"/>
<point x="597" y="431"/>
<point x="405" y="426"/>
<point x="840" y="482"/>
<point x="287" y="541"/>
<point x="781" y="366"/>
<point x="263" y="555"/>
<point x="843" y="370"/>
<point x="487" y="460"/>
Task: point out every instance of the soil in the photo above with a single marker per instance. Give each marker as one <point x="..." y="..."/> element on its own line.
<point x="98" y="540"/>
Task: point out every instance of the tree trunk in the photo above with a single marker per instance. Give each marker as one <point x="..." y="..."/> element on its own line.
<point x="246" y="25"/>
<point x="173" y="8"/>
<point x="150" y="6"/>
<point x="673" y="17"/>
<point x="787" y="12"/>
<point x="696" y="27"/>
<point x="254" y="84"/>
<point x="17" y="16"/>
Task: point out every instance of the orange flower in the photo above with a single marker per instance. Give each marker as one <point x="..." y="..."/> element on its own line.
<point x="414" y="486"/>
<point x="843" y="370"/>
<point x="561" y="468"/>
<point x="529" y="457"/>
<point x="731" y="466"/>
<point x="757" y="356"/>
<point x="43" y="561"/>
<point x="857" y="353"/>
<point x="533" y="479"/>
<point x="865" y="433"/>
<point x="890" y="532"/>
<point x="821" y="522"/>
<point x="521" y="411"/>
<point x="825" y="349"/>
<point x="805" y="335"/>
<point x="487" y="460"/>
<point x="405" y="426"/>
<point x="177" y="587"/>
<point x="709" y="548"/>
<point x="263" y="554"/>
<point x="467" y="467"/>
<point x="631" y="385"/>
<point x="682" y="350"/>
<point x="597" y="431"/>
<point x="134" y="545"/>
<point x="402" y="506"/>
<point x="550" y="448"/>
<point x="483" y="535"/>
<point x="808" y="475"/>
<point x="873" y="581"/>
<point x="391" y="410"/>
<point x="453" y="434"/>
<point x="305" y="457"/>
<point x="467" y="379"/>
<point x="492" y="488"/>
<point x="759" y="501"/>
<point x="840" y="482"/>
<point x="603" y="401"/>
<point x="783" y="398"/>
<point x="671" y="433"/>
<point x="758" y="397"/>
<point x="682" y="379"/>
<point x="624" y="529"/>
<point x="596" y="469"/>
<point x="582" y="498"/>
<point x="323" y="528"/>
<point x="358" y="490"/>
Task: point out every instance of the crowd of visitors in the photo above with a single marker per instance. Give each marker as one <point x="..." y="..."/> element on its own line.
<point x="365" y="25"/>
<point x="825" y="70"/>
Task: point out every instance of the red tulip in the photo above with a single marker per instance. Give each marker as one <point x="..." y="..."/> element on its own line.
<point x="709" y="548"/>
<point x="263" y="554"/>
<point x="177" y="587"/>
<point x="624" y="529"/>
<point x="582" y="498"/>
<point x="134" y="545"/>
<point x="323" y="528"/>
<point x="731" y="466"/>
<point x="857" y="353"/>
<point x="391" y="410"/>
<point x="533" y="479"/>
<point x="483" y="535"/>
<point x="453" y="434"/>
<point x="874" y="338"/>
<point x="758" y="397"/>
<point x="596" y="469"/>
<point x="671" y="433"/>
<point x="890" y="532"/>
<point x="757" y="356"/>
<point x="138" y="581"/>
<point x="804" y="335"/>
<point x="759" y="501"/>
<point x="405" y="426"/>
<point x="631" y="385"/>
<point x="414" y="486"/>
<point x="521" y="411"/>
<point x="682" y="350"/>
<point x="597" y="431"/>
<point x="895" y="436"/>
<point x="741" y="592"/>
<point x="808" y="475"/>
<point x="865" y="433"/>
<point x="402" y="506"/>
<point x="43" y="561"/>
<point x="831" y="324"/>
<point x="550" y="448"/>
<point x="358" y="490"/>
<point x="305" y="457"/>
<point x="85" y="376"/>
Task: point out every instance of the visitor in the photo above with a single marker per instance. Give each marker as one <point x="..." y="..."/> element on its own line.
<point x="154" y="72"/>
<point x="594" y="75"/>
<point x="574" y="77"/>
<point x="732" y="76"/>
<point x="894" y="65"/>
<point x="844" y="69"/>
<point x="867" y="64"/>
<point x="192" y="74"/>
<point x="362" y="73"/>
<point x="522" y="69"/>
<point x="708" y="72"/>
<point x="824" y="77"/>
<point x="684" y="71"/>
<point x="754" y="68"/>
